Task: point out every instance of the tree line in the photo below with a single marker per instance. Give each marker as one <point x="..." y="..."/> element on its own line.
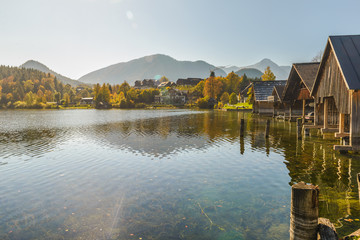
<point x="29" y="88"/>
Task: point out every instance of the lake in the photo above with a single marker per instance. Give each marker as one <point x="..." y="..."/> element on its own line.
<point x="163" y="174"/>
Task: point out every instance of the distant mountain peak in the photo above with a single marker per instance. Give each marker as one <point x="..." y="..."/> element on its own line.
<point x="148" y="67"/>
<point x="281" y="72"/>
<point x="43" y="68"/>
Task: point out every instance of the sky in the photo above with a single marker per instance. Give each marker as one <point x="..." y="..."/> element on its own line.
<point x="75" y="37"/>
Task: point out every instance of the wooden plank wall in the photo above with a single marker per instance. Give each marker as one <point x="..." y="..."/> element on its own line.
<point x="355" y="121"/>
<point x="332" y="84"/>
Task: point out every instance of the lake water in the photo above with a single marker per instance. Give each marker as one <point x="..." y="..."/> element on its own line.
<point x="163" y="174"/>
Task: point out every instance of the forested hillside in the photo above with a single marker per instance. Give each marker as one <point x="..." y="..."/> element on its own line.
<point x="29" y="88"/>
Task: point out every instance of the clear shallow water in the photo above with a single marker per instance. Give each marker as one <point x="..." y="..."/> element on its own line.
<point x="162" y="174"/>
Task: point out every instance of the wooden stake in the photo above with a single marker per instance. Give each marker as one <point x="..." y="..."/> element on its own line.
<point x="267" y="128"/>
<point x="299" y="128"/>
<point x="304" y="211"/>
<point x="242" y="127"/>
<point x="358" y="182"/>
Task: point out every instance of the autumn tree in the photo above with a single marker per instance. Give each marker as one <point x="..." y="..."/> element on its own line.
<point x="212" y="87"/>
<point x="268" y="75"/>
<point x="225" y="98"/>
<point x="233" y="99"/>
<point x="250" y="94"/>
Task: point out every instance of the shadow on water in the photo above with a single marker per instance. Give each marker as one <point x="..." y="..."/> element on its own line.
<point x="165" y="175"/>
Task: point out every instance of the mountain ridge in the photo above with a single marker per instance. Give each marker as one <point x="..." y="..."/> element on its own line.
<point x="149" y="67"/>
<point x="43" y="68"/>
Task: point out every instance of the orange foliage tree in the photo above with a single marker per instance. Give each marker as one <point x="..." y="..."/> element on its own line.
<point x="213" y="87"/>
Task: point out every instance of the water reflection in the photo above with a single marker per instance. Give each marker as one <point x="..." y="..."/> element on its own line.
<point x="163" y="175"/>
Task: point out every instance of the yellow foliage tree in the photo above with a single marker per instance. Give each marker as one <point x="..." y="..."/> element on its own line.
<point x="268" y="75"/>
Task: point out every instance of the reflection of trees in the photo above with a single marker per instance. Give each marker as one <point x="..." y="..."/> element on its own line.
<point x="165" y="135"/>
<point x="28" y="142"/>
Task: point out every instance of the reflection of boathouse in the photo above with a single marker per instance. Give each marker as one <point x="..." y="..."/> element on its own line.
<point x="336" y="90"/>
<point x="296" y="96"/>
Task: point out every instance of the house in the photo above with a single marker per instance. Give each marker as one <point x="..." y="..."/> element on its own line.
<point x="171" y="96"/>
<point x="79" y="89"/>
<point x="263" y="102"/>
<point x="167" y="84"/>
<point x="188" y="81"/>
<point x="145" y="84"/>
<point x="87" y="101"/>
<point x="296" y="96"/>
<point x="336" y="90"/>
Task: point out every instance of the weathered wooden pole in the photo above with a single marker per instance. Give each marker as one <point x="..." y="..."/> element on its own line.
<point x="267" y="129"/>
<point x="299" y="128"/>
<point x="341" y="123"/>
<point x="303" y="110"/>
<point x="358" y="182"/>
<point x="325" y="113"/>
<point x="242" y="127"/>
<point x="304" y="211"/>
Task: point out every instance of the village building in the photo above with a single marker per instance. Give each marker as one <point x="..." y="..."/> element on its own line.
<point x="188" y="81"/>
<point x="336" y="91"/>
<point x="87" y="101"/>
<point x="145" y="84"/>
<point x="296" y="97"/>
<point x="167" y="84"/>
<point x="263" y="102"/>
<point x="171" y="96"/>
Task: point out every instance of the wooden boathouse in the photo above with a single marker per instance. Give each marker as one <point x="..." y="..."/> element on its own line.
<point x="336" y="91"/>
<point x="296" y="95"/>
<point x="262" y="91"/>
<point x="278" y="106"/>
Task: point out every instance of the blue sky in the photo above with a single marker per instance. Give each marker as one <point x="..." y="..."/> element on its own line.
<point x="75" y="37"/>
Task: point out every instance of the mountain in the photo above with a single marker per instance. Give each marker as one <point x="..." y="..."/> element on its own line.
<point x="281" y="72"/>
<point x="149" y="67"/>
<point x="250" y="72"/>
<point x="41" y="67"/>
<point x="230" y="69"/>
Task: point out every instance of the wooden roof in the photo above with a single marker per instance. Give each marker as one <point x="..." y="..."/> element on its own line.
<point x="300" y="72"/>
<point x="347" y="53"/>
<point x="278" y="90"/>
<point x="263" y="89"/>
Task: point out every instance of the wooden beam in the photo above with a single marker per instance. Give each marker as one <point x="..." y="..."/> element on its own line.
<point x="329" y="130"/>
<point x="313" y="126"/>
<point x="342" y="148"/>
<point x="341" y="135"/>
<point x="303" y="110"/>
<point x="341" y="123"/>
<point x="325" y="113"/>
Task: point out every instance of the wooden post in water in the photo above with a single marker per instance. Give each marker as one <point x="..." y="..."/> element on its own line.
<point x="304" y="211"/>
<point x="242" y="127"/>
<point x="299" y="127"/>
<point x="358" y="182"/>
<point x="267" y="129"/>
